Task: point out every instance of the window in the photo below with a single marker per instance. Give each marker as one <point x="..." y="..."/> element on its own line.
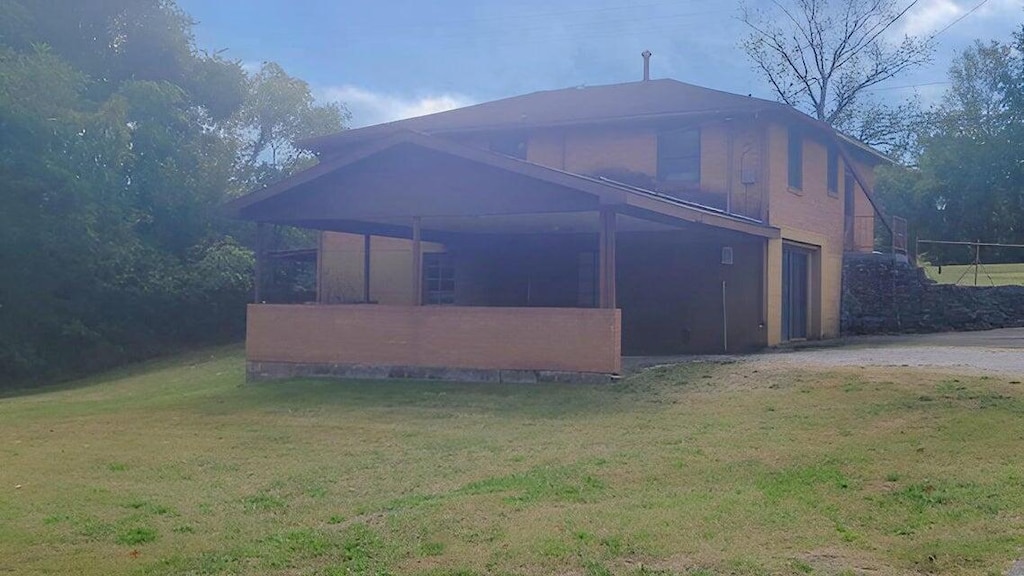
<point x="438" y="278"/>
<point x="513" y="145"/>
<point x="679" y="156"/>
<point x="833" y="172"/>
<point x="796" y="159"/>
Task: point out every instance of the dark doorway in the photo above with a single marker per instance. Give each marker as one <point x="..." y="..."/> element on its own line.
<point x="795" y="292"/>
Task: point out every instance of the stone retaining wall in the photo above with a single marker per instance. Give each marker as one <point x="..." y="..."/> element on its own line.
<point x="884" y="296"/>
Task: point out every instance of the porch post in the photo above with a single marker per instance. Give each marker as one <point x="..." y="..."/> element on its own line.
<point x="417" y="263"/>
<point x="261" y="233"/>
<point x="366" y="268"/>
<point x="320" y="267"/>
<point x="606" y="259"/>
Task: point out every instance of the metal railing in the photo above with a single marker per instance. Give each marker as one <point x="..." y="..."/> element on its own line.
<point x="869" y="233"/>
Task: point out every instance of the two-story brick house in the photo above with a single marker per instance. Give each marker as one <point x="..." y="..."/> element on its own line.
<point x="552" y="232"/>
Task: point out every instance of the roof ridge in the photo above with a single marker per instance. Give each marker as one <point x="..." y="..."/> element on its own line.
<point x="573" y="105"/>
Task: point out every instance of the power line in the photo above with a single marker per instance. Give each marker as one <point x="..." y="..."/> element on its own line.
<point x="957" y="21"/>
<point x="930" y="38"/>
<point x="938" y="83"/>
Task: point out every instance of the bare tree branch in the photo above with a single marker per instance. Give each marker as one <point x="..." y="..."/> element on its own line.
<point x="822" y="55"/>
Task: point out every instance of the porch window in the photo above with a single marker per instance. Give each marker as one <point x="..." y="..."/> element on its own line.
<point x="679" y="156"/>
<point x="438" y="278"/>
<point x="796" y="159"/>
<point x="513" y="145"/>
<point x="833" y="172"/>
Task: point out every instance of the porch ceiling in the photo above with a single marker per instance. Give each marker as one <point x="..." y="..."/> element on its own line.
<point x="455" y="189"/>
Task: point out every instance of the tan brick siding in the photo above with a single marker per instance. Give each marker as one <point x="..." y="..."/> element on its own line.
<point x="758" y="155"/>
<point x="341" y="268"/>
<point x="564" y="339"/>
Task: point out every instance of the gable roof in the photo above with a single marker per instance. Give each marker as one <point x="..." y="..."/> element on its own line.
<point x="627" y="198"/>
<point x="566" y="106"/>
<point x="650" y="99"/>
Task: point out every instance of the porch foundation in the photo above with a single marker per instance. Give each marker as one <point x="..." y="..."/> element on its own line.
<point x="266" y="371"/>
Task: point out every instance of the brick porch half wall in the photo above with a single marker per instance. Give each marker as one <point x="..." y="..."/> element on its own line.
<point x="585" y="340"/>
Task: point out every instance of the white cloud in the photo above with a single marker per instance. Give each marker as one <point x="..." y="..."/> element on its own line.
<point x="368" y="107"/>
<point x="930" y="16"/>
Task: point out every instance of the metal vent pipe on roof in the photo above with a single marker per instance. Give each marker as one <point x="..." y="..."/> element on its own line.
<point x="647" y="64"/>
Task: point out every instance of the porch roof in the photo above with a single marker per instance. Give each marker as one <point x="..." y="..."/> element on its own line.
<point x="380" y="186"/>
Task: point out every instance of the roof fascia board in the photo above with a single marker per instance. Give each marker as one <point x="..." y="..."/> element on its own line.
<point x="608" y="193"/>
<point x="323" y="168"/>
<point x="697" y="216"/>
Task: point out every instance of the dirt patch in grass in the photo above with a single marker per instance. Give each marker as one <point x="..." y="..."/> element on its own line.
<point x="839" y="561"/>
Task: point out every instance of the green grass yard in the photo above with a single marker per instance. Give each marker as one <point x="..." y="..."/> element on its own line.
<point x="178" y="468"/>
<point x="1000" y="274"/>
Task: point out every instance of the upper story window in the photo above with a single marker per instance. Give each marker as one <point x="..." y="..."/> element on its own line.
<point x="679" y="156"/>
<point x="513" y="145"/>
<point x="796" y="159"/>
<point x="833" y="171"/>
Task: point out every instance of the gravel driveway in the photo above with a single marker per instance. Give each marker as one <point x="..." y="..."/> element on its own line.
<point x="996" y="352"/>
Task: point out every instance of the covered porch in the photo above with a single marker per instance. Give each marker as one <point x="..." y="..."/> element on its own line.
<point x="462" y="263"/>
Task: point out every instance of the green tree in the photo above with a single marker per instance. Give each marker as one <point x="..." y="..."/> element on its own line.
<point x="119" y="141"/>
<point x="969" y="181"/>
<point x="278" y="110"/>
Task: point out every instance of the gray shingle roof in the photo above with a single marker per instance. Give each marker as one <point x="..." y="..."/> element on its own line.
<point x="568" y="106"/>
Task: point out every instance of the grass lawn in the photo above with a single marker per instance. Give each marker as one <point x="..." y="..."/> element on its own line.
<point x="1001" y="274"/>
<point x="178" y="468"/>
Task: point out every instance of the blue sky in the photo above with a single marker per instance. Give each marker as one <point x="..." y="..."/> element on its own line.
<point x="389" y="59"/>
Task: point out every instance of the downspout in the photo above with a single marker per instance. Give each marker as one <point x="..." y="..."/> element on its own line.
<point x="725" y="321"/>
<point x="731" y="151"/>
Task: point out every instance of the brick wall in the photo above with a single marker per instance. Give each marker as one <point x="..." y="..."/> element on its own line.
<point x="558" y="339"/>
<point x="811" y="216"/>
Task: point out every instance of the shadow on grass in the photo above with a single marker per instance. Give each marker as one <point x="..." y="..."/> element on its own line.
<point x="640" y="392"/>
<point x="544" y="400"/>
<point x="180" y="359"/>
